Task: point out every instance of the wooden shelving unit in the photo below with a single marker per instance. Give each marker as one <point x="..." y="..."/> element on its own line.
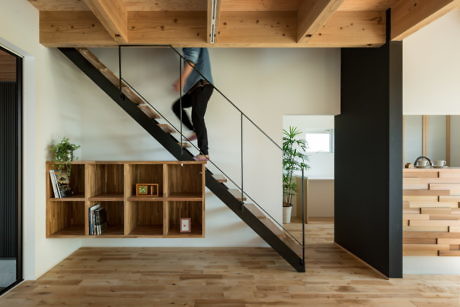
<point x="113" y="185"/>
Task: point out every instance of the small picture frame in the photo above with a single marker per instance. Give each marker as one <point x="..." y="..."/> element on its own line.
<point x="147" y="189"/>
<point x="142" y="189"/>
<point x="185" y="225"/>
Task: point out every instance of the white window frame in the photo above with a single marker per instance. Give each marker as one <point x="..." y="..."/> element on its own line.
<point x="330" y="132"/>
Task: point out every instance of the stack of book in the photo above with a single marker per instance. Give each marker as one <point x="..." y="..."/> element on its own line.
<point x="97" y="220"/>
<point x="60" y="182"/>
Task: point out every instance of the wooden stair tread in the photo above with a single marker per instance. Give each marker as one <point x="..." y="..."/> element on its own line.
<point x="237" y="194"/>
<point x="293" y="244"/>
<point x="167" y="128"/>
<point x="148" y="111"/>
<point x="220" y="178"/>
<point x="184" y="144"/>
<point x="255" y="211"/>
<point x="110" y="75"/>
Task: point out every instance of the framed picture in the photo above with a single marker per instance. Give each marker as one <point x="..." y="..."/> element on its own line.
<point x="185" y="225"/>
<point x="142" y="189"/>
<point x="147" y="189"/>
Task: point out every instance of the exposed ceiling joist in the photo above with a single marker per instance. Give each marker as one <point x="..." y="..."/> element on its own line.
<point x="72" y="29"/>
<point x="231" y="23"/>
<point x="408" y="16"/>
<point x="113" y="16"/>
<point x="312" y="15"/>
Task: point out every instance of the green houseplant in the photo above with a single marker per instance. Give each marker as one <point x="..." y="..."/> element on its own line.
<point x="294" y="159"/>
<point x="63" y="153"/>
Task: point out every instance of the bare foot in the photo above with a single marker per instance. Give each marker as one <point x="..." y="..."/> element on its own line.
<point x="201" y="158"/>
<point x="192" y="137"/>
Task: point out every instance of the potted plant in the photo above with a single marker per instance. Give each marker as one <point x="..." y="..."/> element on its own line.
<point x="63" y="152"/>
<point x="294" y="160"/>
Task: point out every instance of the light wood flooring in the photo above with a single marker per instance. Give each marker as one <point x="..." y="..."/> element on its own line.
<point x="227" y="277"/>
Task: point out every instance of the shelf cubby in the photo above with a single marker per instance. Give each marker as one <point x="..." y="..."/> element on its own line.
<point x="144" y="219"/>
<point x="185" y="209"/>
<point x="112" y="184"/>
<point x="115" y="217"/>
<point x="106" y="182"/>
<point x="145" y="174"/>
<point x="185" y="182"/>
<point x="77" y="182"/>
<point x="65" y="218"/>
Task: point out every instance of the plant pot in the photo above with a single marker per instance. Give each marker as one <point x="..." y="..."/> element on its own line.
<point x="287" y="212"/>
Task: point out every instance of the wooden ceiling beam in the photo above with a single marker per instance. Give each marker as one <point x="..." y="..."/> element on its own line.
<point x="72" y="29"/>
<point x="236" y="29"/>
<point x="113" y="16"/>
<point x="312" y="15"/>
<point x="408" y="16"/>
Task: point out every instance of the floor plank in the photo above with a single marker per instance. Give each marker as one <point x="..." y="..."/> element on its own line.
<point x="227" y="277"/>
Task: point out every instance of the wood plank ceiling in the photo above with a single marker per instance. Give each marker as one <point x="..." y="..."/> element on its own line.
<point x="231" y="23"/>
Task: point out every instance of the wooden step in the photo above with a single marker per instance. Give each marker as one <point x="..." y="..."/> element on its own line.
<point x="130" y="94"/>
<point x="237" y="194"/>
<point x="167" y="128"/>
<point x="255" y="210"/>
<point x="293" y="244"/>
<point x="91" y="58"/>
<point x="148" y="111"/>
<point x="184" y="144"/>
<point x="220" y="178"/>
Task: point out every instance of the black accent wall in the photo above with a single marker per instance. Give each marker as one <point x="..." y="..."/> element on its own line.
<point x="8" y="169"/>
<point x="368" y="157"/>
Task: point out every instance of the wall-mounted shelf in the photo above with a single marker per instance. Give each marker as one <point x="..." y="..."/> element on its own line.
<point x="113" y="185"/>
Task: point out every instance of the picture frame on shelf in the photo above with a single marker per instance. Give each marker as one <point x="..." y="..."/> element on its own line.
<point x="147" y="189"/>
<point x="185" y="225"/>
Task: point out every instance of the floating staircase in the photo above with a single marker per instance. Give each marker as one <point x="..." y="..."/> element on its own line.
<point x="145" y="115"/>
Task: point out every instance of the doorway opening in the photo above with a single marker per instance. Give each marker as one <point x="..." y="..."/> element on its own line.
<point x="10" y="170"/>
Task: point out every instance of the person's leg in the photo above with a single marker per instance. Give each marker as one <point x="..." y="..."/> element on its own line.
<point x="186" y="103"/>
<point x="199" y="105"/>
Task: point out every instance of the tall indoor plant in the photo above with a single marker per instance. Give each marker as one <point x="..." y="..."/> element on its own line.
<point x="294" y="160"/>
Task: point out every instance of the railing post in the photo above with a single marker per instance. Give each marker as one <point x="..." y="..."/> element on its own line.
<point x="181" y="110"/>
<point x="303" y="216"/>
<point x="242" y="158"/>
<point x="120" y="82"/>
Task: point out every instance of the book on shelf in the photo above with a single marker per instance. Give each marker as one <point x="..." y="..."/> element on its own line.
<point x="54" y="184"/>
<point x="61" y="184"/>
<point x="97" y="220"/>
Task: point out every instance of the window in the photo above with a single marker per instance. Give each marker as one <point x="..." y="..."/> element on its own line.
<point x="321" y="141"/>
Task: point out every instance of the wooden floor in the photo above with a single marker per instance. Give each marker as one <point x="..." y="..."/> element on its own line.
<point x="227" y="277"/>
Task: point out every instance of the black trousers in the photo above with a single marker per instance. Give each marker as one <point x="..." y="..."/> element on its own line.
<point x="197" y="98"/>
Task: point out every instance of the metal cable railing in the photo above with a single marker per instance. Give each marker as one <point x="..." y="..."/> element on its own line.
<point x="243" y="116"/>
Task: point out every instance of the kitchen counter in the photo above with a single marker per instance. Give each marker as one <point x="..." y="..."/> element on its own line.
<point x="431" y="212"/>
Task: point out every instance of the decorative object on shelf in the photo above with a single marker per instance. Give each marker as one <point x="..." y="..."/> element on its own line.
<point x="408" y="165"/>
<point x="63" y="153"/>
<point x="147" y="189"/>
<point x="439" y="163"/>
<point x="294" y="160"/>
<point x="185" y="225"/>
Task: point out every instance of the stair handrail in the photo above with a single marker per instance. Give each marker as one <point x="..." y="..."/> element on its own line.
<point x="243" y="192"/>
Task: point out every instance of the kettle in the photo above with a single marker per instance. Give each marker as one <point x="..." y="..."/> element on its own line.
<point x="423" y="162"/>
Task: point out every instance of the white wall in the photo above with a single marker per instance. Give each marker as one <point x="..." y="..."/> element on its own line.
<point x="431" y="87"/>
<point x="431" y="68"/>
<point x="53" y="92"/>
<point x="264" y="83"/>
